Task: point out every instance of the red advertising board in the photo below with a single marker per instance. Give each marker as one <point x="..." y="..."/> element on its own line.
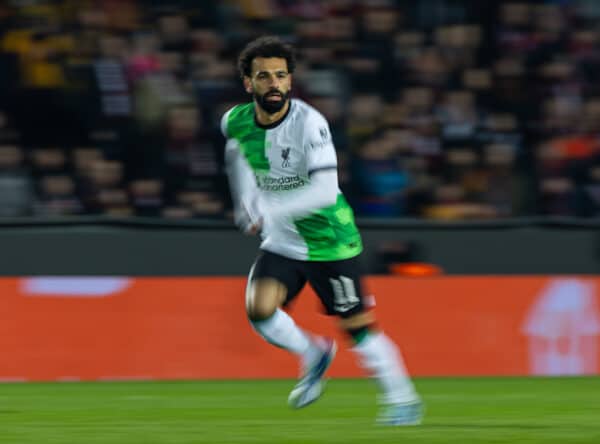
<point x="62" y="328"/>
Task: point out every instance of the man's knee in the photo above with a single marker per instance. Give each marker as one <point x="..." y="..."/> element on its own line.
<point x="358" y="325"/>
<point x="263" y="297"/>
<point x="261" y="310"/>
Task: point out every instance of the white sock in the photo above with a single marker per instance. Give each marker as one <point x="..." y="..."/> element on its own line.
<point x="382" y="359"/>
<point x="281" y="330"/>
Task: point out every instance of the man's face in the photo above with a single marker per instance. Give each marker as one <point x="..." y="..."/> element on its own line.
<point x="269" y="83"/>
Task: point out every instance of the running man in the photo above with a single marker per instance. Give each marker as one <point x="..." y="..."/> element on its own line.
<point x="282" y="169"/>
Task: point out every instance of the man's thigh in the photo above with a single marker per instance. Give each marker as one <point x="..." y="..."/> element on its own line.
<point x="285" y="271"/>
<point x="338" y="285"/>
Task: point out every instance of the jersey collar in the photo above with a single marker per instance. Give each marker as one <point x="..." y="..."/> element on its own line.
<point x="276" y="123"/>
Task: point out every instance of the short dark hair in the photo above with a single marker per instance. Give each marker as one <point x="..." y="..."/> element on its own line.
<point x="267" y="46"/>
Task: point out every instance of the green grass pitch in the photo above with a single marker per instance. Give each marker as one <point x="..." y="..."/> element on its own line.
<point x="469" y="410"/>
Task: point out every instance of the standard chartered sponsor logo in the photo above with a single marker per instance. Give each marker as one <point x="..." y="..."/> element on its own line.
<point x="286" y="183"/>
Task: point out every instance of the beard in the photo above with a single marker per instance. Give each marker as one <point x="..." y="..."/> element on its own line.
<point x="271" y="107"/>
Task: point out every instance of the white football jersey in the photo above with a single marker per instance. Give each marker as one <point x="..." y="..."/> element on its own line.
<point x="281" y="158"/>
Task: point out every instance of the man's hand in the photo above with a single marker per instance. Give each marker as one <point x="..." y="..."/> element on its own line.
<point x="247" y="226"/>
<point x="253" y="229"/>
<point x="248" y="218"/>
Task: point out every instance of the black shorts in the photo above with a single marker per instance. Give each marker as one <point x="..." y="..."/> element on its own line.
<point x="337" y="283"/>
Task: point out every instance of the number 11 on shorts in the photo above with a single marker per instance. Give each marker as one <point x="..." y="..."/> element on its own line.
<point x="344" y="294"/>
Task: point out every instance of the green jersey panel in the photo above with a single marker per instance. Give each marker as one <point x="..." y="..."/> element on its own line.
<point x="252" y="139"/>
<point x="330" y="233"/>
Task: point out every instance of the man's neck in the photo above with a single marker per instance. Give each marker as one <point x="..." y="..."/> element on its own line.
<point x="264" y="118"/>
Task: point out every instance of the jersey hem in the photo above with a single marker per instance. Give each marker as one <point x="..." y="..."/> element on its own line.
<point x="307" y="259"/>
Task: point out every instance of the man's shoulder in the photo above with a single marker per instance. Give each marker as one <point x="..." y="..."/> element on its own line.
<point x="240" y="112"/>
<point x="307" y="114"/>
<point x="314" y="127"/>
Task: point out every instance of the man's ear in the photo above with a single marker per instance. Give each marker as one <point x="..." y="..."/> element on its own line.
<point x="248" y="85"/>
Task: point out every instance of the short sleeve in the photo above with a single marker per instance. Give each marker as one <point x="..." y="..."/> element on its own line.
<point x="318" y="144"/>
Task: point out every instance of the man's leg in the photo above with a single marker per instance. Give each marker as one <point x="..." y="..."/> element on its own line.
<point x="265" y="296"/>
<point x="381" y="358"/>
<point x="338" y="285"/>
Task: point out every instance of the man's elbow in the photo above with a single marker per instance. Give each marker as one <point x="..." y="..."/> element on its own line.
<point x="326" y="188"/>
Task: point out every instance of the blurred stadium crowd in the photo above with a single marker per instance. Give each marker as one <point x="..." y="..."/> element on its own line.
<point x="442" y="109"/>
